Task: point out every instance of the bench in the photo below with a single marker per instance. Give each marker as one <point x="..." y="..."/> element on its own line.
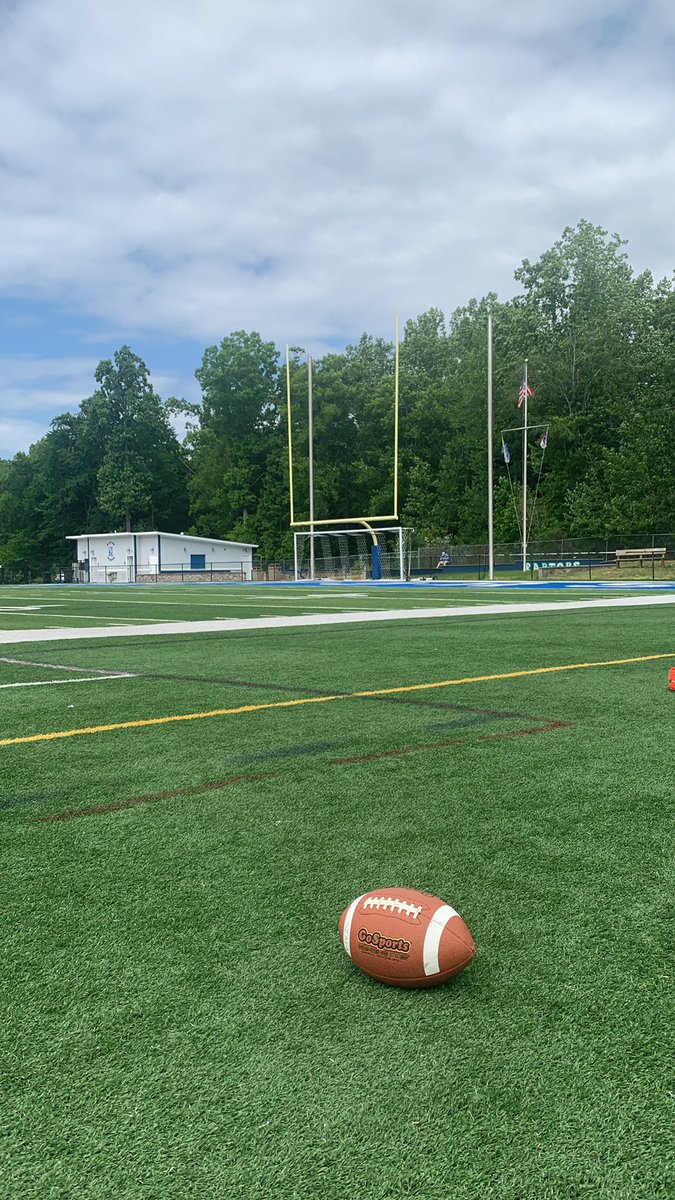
<point x="650" y="554"/>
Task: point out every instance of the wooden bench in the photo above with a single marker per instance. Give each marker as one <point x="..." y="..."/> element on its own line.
<point x="650" y="554"/>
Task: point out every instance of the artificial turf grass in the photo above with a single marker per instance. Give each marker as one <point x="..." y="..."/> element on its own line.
<point x="397" y="1053"/>
<point x="517" y="1083"/>
<point x="361" y="655"/>
<point x="84" y="607"/>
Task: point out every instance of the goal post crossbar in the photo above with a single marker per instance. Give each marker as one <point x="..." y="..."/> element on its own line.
<point x="364" y="530"/>
<point x="305" y="525"/>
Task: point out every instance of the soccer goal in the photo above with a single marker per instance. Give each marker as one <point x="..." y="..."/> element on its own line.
<point x="355" y="554"/>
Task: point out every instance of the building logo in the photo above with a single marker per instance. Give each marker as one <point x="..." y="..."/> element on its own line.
<point x="111" y="550"/>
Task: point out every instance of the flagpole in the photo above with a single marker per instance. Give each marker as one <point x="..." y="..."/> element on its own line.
<point x="290" y="435"/>
<point x="490" y="453"/>
<point x="525" y="474"/>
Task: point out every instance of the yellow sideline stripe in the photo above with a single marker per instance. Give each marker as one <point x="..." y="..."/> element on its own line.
<point x="247" y="708"/>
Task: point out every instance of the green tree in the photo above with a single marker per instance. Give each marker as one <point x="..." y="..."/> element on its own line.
<point x="239" y="419"/>
<point x="587" y="324"/>
<point x="21" y="548"/>
<point x="141" y="476"/>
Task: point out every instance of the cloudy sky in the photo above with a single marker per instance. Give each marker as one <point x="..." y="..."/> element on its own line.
<point x="172" y="171"/>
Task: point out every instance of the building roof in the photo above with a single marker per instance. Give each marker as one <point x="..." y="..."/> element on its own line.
<point x="74" y="537"/>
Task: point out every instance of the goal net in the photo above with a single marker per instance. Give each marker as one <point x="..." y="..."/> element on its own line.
<point x="353" y="554"/>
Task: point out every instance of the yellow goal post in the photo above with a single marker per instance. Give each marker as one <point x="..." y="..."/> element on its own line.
<point x="366" y="520"/>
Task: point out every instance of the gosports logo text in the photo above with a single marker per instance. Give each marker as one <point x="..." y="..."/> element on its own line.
<point x="383" y="944"/>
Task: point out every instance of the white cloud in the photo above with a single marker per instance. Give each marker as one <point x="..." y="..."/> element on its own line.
<point x="309" y="170"/>
<point x="18" y="434"/>
<point x="35" y="390"/>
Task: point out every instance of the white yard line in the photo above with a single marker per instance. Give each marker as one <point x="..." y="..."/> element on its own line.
<point x="25" y="608"/>
<point x="25" y="662"/>
<point x="54" y="682"/>
<point x="97" y="617"/>
<point x="190" y="602"/>
<point x="224" y="625"/>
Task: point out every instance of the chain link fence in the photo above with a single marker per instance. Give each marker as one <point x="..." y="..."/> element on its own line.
<point x="582" y="556"/>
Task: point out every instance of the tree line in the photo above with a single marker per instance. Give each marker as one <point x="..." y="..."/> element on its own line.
<point x="600" y="344"/>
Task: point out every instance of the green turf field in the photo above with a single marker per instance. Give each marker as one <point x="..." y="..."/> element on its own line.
<point x="40" y="607"/>
<point x="179" y="1017"/>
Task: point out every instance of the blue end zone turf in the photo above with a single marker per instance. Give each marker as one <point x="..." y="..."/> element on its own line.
<point x="419" y="585"/>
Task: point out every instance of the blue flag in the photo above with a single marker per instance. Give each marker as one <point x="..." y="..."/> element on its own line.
<point x="506" y="452"/>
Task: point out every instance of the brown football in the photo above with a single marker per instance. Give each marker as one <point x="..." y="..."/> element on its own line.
<point x="406" y="937"/>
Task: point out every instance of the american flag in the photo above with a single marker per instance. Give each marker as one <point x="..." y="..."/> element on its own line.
<point x="525" y="391"/>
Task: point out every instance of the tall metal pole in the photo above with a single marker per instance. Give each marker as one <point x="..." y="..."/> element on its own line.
<point x="397" y="361"/>
<point x="290" y="433"/>
<point x="525" y="472"/>
<point x="490" y="451"/>
<point x="310" y="423"/>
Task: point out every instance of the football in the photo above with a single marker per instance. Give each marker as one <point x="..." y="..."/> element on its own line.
<point x="406" y="937"/>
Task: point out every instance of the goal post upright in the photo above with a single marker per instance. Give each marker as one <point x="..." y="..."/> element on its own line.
<point x="310" y="438"/>
<point x="396" y="392"/>
<point x="368" y="520"/>
<point x="290" y="436"/>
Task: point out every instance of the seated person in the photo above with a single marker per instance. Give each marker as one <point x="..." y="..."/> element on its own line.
<point x="444" y="560"/>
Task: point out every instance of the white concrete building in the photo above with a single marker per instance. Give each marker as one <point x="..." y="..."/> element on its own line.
<point x="158" y="557"/>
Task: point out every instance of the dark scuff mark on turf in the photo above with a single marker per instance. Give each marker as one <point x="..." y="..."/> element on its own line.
<point x="216" y="784"/>
<point x="520" y="732"/>
<point x="285" y="688"/>
<point x="285" y="752"/>
<point x="419" y="746"/>
<point x="467" y="721"/>
<point x="15" y="801"/>
<point x="98" y="809"/>
<point x="392" y="753"/>
<point x="496" y="713"/>
<point x="239" y="683"/>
